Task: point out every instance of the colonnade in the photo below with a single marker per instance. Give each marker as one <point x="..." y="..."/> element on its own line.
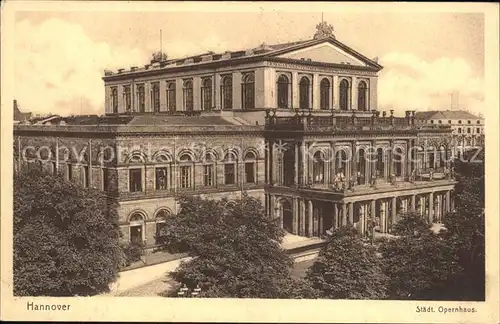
<point x="312" y="217"/>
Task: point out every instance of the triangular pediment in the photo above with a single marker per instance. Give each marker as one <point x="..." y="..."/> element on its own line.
<point x="325" y="52"/>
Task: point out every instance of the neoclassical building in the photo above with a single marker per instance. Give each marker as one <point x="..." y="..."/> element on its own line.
<point x="295" y="125"/>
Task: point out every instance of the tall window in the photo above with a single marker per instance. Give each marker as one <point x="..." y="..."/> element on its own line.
<point x="105" y="179"/>
<point x="127" y="98"/>
<point x="85" y="175"/>
<point x="141" y="98"/>
<point x="230" y="168"/>
<point x="324" y="94"/>
<point x="186" y="171"/>
<point x="468" y="130"/>
<point x="114" y="100"/>
<point x="362" y="91"/>
<point x="171" y="96"/>
<point x="304" y="86"/>
<point x="431" y="160"/>
<point x="380" y="163"/>
<point x="361" y="166"/>
<point x="318" y="167"/>
<point x="69" y="171"/>
<point x="477" y="130"/>
<point x="250" y="167"/>
<point x="459" y="130"/>
<point x="248" y="91"/>
<point x="155" y="97"/>
<point x="398" y="162"/>
<point x="227" y="92"/>
<point x="161" y="179"/>
<point x="206" y="93"/>
<point x="344" y="94"/>
<point x="208" y="170"/>
<point x="188" y="95"/>
<point x="135" y="180"/>
<point x="283" y="85"/>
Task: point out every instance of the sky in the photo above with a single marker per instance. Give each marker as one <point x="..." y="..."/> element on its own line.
<point x="60" y="56"/>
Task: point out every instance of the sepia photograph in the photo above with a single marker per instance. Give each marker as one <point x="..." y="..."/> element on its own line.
<point x="231" y="153"/>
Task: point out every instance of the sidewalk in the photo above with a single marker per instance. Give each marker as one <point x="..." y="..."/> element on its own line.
<point x="134" y="278"/>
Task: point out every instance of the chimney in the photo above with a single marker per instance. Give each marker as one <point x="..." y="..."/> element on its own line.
<point x="15" y="104"/>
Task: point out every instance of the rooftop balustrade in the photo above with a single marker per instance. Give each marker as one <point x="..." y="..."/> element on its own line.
<point x="303" y="120"/>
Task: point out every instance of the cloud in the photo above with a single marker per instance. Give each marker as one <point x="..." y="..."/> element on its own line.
<point x="408" y="82"/>
<point x="58" y="68"/>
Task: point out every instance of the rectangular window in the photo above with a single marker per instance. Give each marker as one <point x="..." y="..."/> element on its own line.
<point x="250" y="172"/>
<point x="161" y="178"/>
<point x="185" y="176"/>
<point x="69" y="171"/>
<point x="54" y="167"/>
<point x="208" y="179"/>
<point x="135" y="180"/>
<point x="105" y="179"/>
<point x="229" y="178"/>
<point x="468" y="130"/>
<point x="477" y="130"/>
<point x="85" y="176"/>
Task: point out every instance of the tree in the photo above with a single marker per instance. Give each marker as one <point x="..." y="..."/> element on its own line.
<point x="418" y="262"/>
<point x="235" y="248"/>
<point x="466" y="229"/>
<point x="347" y="268"/>
<point x="66" y="238"/>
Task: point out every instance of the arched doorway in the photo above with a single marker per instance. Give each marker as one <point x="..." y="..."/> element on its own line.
<point x="136" y="226"/>
<point x="287" y="213"/>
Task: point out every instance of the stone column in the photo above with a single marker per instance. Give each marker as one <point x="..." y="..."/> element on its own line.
<point x="303" y="175"/>
<point x="452" y="202"/>
<point x="437" y="208"/>
<point x="351" y="213"/>
<point x="271" y="166"/>
<point x="335" y="220"/>
<point x="344" y="214"/>
<point x="295" y="222"/>
<point x="354" y="94"/>
<point x="394" y="210"/>
<point x="413" y="203"/>
<point x="362" y="219"/>
<point x="310" y="217"/>
<point x="383" y="216"/>
<point x="431" y="207"/>
<point x="272" y="207"/>
<point x="448" y="202"/>
<point x="302" y="215"/>
<point x="335" y="88"/>
<point x="332" y="162"/>
<point x="296" y="173"/>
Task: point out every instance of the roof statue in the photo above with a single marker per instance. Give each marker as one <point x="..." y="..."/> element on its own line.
<point x="159" y="57"/>
<point x="324" y="30"/>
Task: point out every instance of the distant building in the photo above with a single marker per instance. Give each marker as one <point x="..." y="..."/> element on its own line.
<point x="295" y="125"/>
<point x="18" y="115"/>
<point x="468" y="129"/>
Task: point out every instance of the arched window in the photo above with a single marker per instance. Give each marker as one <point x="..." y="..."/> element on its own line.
<point x="155" y="97"/>
<point x="230" y="162"/>
<point x="397" y="157"/>
<point x="344" y="94"/>
<point x="250" y="167"/>
<point x="362" y="91"/>
<point x="325" y="94"/>
<point x="442" y="157"/>
<point x="206" y="93"/>
<point x="188" y="95"/>
<point x="227" y="92"/>
<point x="186" y="171"/>
<point x="141" y="99"/>
<point x="114" y="100"/>
<point x="161" y="178"/>
<point x="248" y="91"/>
<point x="127" y="98"/>
<point x="171" y="100"/>
<point x="304" y="86"/>
<point x="361" y="166"/>
<point x="380" y="166"/>
<point x="318" y="167"/>
<point x="341" y="162"/>
<point x="431" y="158"/>
<point x="283" y="85"/>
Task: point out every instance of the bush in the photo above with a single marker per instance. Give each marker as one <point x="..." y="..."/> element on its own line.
<point x="132" y="252"/>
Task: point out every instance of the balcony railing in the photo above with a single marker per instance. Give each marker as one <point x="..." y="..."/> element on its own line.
<point x="344" y="120"/>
